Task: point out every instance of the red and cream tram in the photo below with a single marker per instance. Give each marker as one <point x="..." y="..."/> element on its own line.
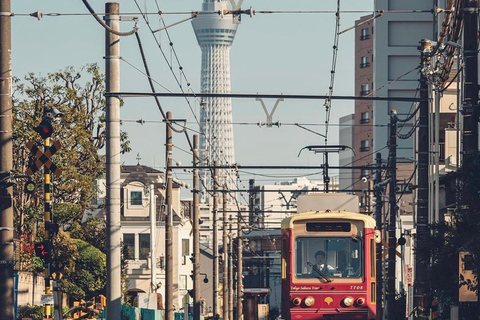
<point x="339" y="285"/>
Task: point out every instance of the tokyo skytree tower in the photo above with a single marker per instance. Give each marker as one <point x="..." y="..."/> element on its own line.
<point x="215" y="34"/>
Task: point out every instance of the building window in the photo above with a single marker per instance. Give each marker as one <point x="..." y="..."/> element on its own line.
<point x="364" y="173"/>
<point x="365" y="117"/>
<point x="136" y="198"/>
<point x="183" y="282"/>
<point x="364" y="34"/>
<point x="144" y="239"/>
<point x="365" y="89"/>
<point x="185" y="250"/>
<point x="129" y="246"/>
<point x="364" y="145"/>
<point x="364" y="62"/>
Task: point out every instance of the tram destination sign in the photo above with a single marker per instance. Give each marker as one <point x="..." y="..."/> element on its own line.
<point x="329" y="226"/>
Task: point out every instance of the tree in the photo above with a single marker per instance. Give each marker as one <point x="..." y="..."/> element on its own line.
<point x="81" y="132"/>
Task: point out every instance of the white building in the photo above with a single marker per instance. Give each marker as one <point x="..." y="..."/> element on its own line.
<point x="136" y="234"/>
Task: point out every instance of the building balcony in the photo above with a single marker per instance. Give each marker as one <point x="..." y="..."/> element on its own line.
<point x="365" y="65"/>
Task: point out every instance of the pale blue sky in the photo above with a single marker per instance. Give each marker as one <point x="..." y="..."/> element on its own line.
<point x="272" y="53"/>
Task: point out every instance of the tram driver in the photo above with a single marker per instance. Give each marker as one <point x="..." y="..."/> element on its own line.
<point x="321" y="264"/>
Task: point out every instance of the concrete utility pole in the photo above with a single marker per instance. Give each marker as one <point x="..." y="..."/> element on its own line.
<point x="392" y="201"/>
<point x="239" y="267"/>
<point x="6" y="164"/>
<point x="215" y="242"/>
<point x="225" y="256"/>
<point x="421" y="245"/>
<point x="169" y="224"/>
<point x="112" y="80"/>
<point x="379" y="246"/>
<point x="153" y="247"/>
<point x="230" y="273"/>
<point x="196" y="232"/>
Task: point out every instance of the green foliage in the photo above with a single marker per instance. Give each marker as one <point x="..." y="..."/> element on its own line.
<point x="93" y="231"/>
<point x="458" y="234"/>
<point x="90" y="269"/>
<point x="34" y="312"/>
<point x="79" y="95"/>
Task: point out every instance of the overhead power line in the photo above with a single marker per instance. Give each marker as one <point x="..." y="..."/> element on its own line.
<point x="251" y="95"/>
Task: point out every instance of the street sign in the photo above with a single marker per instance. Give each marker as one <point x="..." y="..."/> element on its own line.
<point x="47" y="299"/>
<point x="43" y="158"/>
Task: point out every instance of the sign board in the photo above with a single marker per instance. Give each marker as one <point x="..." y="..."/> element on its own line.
<point x="409" y="275"/>
<point x="47" y="299"/>
<point x="147" y="300"/>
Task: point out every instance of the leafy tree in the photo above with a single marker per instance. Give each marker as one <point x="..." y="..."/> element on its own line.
<point x="92" y="231"/>
<point x="458" y="234"/>
<point x="79" y="96"/>
<point x="90" y="270"/>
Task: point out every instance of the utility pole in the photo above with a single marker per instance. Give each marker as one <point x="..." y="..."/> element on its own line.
<point x="215" y="242"/>
<point x="169" y="224"/>
<point x="6" y="164"/>
<point x="230" y="273"/>
<point x="421" y="245"/>
<point x="225" y="255"/>
<point x="239" y="266"/>
<point x="196" y="232"/>
<point x="112" y="84"/>
<point x="470" y="87"/>
<point x="379" y="222"/>
<point x="153" y="247"/>
<point x="392" y="201"/>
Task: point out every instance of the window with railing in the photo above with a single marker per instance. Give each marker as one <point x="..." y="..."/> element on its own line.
<point x="364" y="63"/>
<point x="364" y="34"/>
<point x="364" y="89"/>
<point x="364" y="145"/>
<point x="365" y="117"/>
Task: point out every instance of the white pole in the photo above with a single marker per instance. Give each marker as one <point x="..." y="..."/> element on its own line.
<point x="153" y="225"/>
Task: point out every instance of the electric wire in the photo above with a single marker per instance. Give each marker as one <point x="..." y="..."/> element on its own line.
<point x="328" y="100"/>
<point x="39" y="14"/>
<point x="121" y="34"/>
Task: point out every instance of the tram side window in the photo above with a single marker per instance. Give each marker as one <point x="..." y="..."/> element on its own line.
<point x="341" y="257"/>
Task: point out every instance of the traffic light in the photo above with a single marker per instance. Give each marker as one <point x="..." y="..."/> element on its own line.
<point x="45" y="128"/>
<point x="42" y="250"/>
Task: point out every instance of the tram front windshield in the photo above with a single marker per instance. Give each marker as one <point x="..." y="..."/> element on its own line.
<point x="334" y="257"/>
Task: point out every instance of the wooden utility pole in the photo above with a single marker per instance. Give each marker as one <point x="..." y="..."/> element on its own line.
<point x="112" y="80"/>
<point x="421" y="244"/>
<point x="379" y="222"/>
<point x="169" y="223"/>
<point x="470" y="87"/>
<point x="196" y="232"/>
<point x="6" y="164"/>
<point x="392" y="201"/>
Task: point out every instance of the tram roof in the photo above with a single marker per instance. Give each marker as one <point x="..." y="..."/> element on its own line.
<point x="288" y="222"/>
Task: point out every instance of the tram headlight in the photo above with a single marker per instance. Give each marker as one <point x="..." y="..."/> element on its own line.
<point x="360" y="302"/>
<point x="348" y="301"/>
<point x="309" y="301"/>
<point x="296" y="301"/>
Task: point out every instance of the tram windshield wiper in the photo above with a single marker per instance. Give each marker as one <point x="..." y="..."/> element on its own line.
<point x="322" y="275"/>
